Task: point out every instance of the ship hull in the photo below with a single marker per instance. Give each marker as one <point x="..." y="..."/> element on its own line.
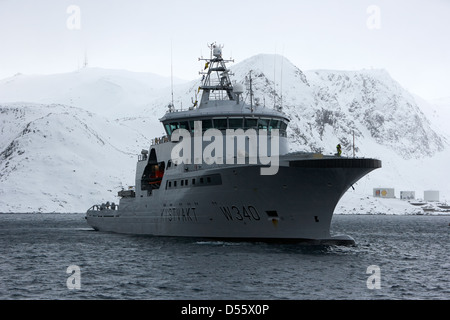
<point x="241" y="204"/>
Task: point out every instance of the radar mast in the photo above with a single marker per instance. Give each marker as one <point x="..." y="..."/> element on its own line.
<point x="216" y="83"/>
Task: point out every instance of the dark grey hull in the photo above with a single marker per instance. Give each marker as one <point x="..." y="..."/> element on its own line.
<point x="296" y="204"/>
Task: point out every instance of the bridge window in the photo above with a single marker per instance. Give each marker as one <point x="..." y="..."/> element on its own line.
<point x="206" y="124"/>
<point x="274" y="124"/>
<point x="184" y="125"/>
<point x="263" y="124"/>
<point x="171" y="127"/>
<point x="220" y="123"/>
<point x="250" y="123"/>
<point x="191" y="123"/>
<point x="235" y="123"/>
<point x="229" y="123"/>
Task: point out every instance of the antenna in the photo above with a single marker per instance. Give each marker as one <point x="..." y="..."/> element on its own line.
<point x="274" y="79"/>
<point x="251" y="91"/>
<point x="85" y="64"/>
<point x="281" y="80"/>
<point x="171" y="70"/>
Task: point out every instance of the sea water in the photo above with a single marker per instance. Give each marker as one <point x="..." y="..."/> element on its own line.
<point x="58" y="256"/>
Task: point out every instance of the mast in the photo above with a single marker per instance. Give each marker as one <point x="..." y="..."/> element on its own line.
<point x="251" y="91"/>
<point x="281" y="81"/>
<point x="216" y="81"/>
<point x="85" y="63"/>
<point x="171" y="70"/>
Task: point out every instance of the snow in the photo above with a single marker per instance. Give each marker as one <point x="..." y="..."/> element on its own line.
<point x="65" y="159"/>
<point x="70" y="140"/>
<point x="107" y="92"/>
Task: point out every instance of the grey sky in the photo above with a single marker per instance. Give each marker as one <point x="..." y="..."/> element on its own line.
<point x="411" y="40"/>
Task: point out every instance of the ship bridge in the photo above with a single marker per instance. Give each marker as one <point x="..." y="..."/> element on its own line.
<point x="221" y="106"/>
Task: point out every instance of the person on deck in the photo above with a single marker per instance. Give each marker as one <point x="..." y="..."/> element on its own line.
<point x="339" y="151"/>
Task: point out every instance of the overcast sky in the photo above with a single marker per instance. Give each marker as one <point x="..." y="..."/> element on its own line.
<point x="408" y="38"/>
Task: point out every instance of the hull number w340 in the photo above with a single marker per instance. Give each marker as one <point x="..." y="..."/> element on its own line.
<point x="240" y="213"/>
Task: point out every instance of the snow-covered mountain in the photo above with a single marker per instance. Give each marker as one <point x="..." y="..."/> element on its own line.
<point x="68" y="141"/>
<point x="327" y="107"/>
<point x="372" y="105"/>
<point x="438" y="112"/>
<point x="110" y="93"/>
<point x="59" y="158"/>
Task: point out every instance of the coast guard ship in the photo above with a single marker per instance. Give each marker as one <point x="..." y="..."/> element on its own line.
<point x="223" y="171"/>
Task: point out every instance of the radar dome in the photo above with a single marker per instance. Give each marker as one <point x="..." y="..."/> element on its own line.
<point x="238" y="88"/>
<point x="217" y="51"/>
